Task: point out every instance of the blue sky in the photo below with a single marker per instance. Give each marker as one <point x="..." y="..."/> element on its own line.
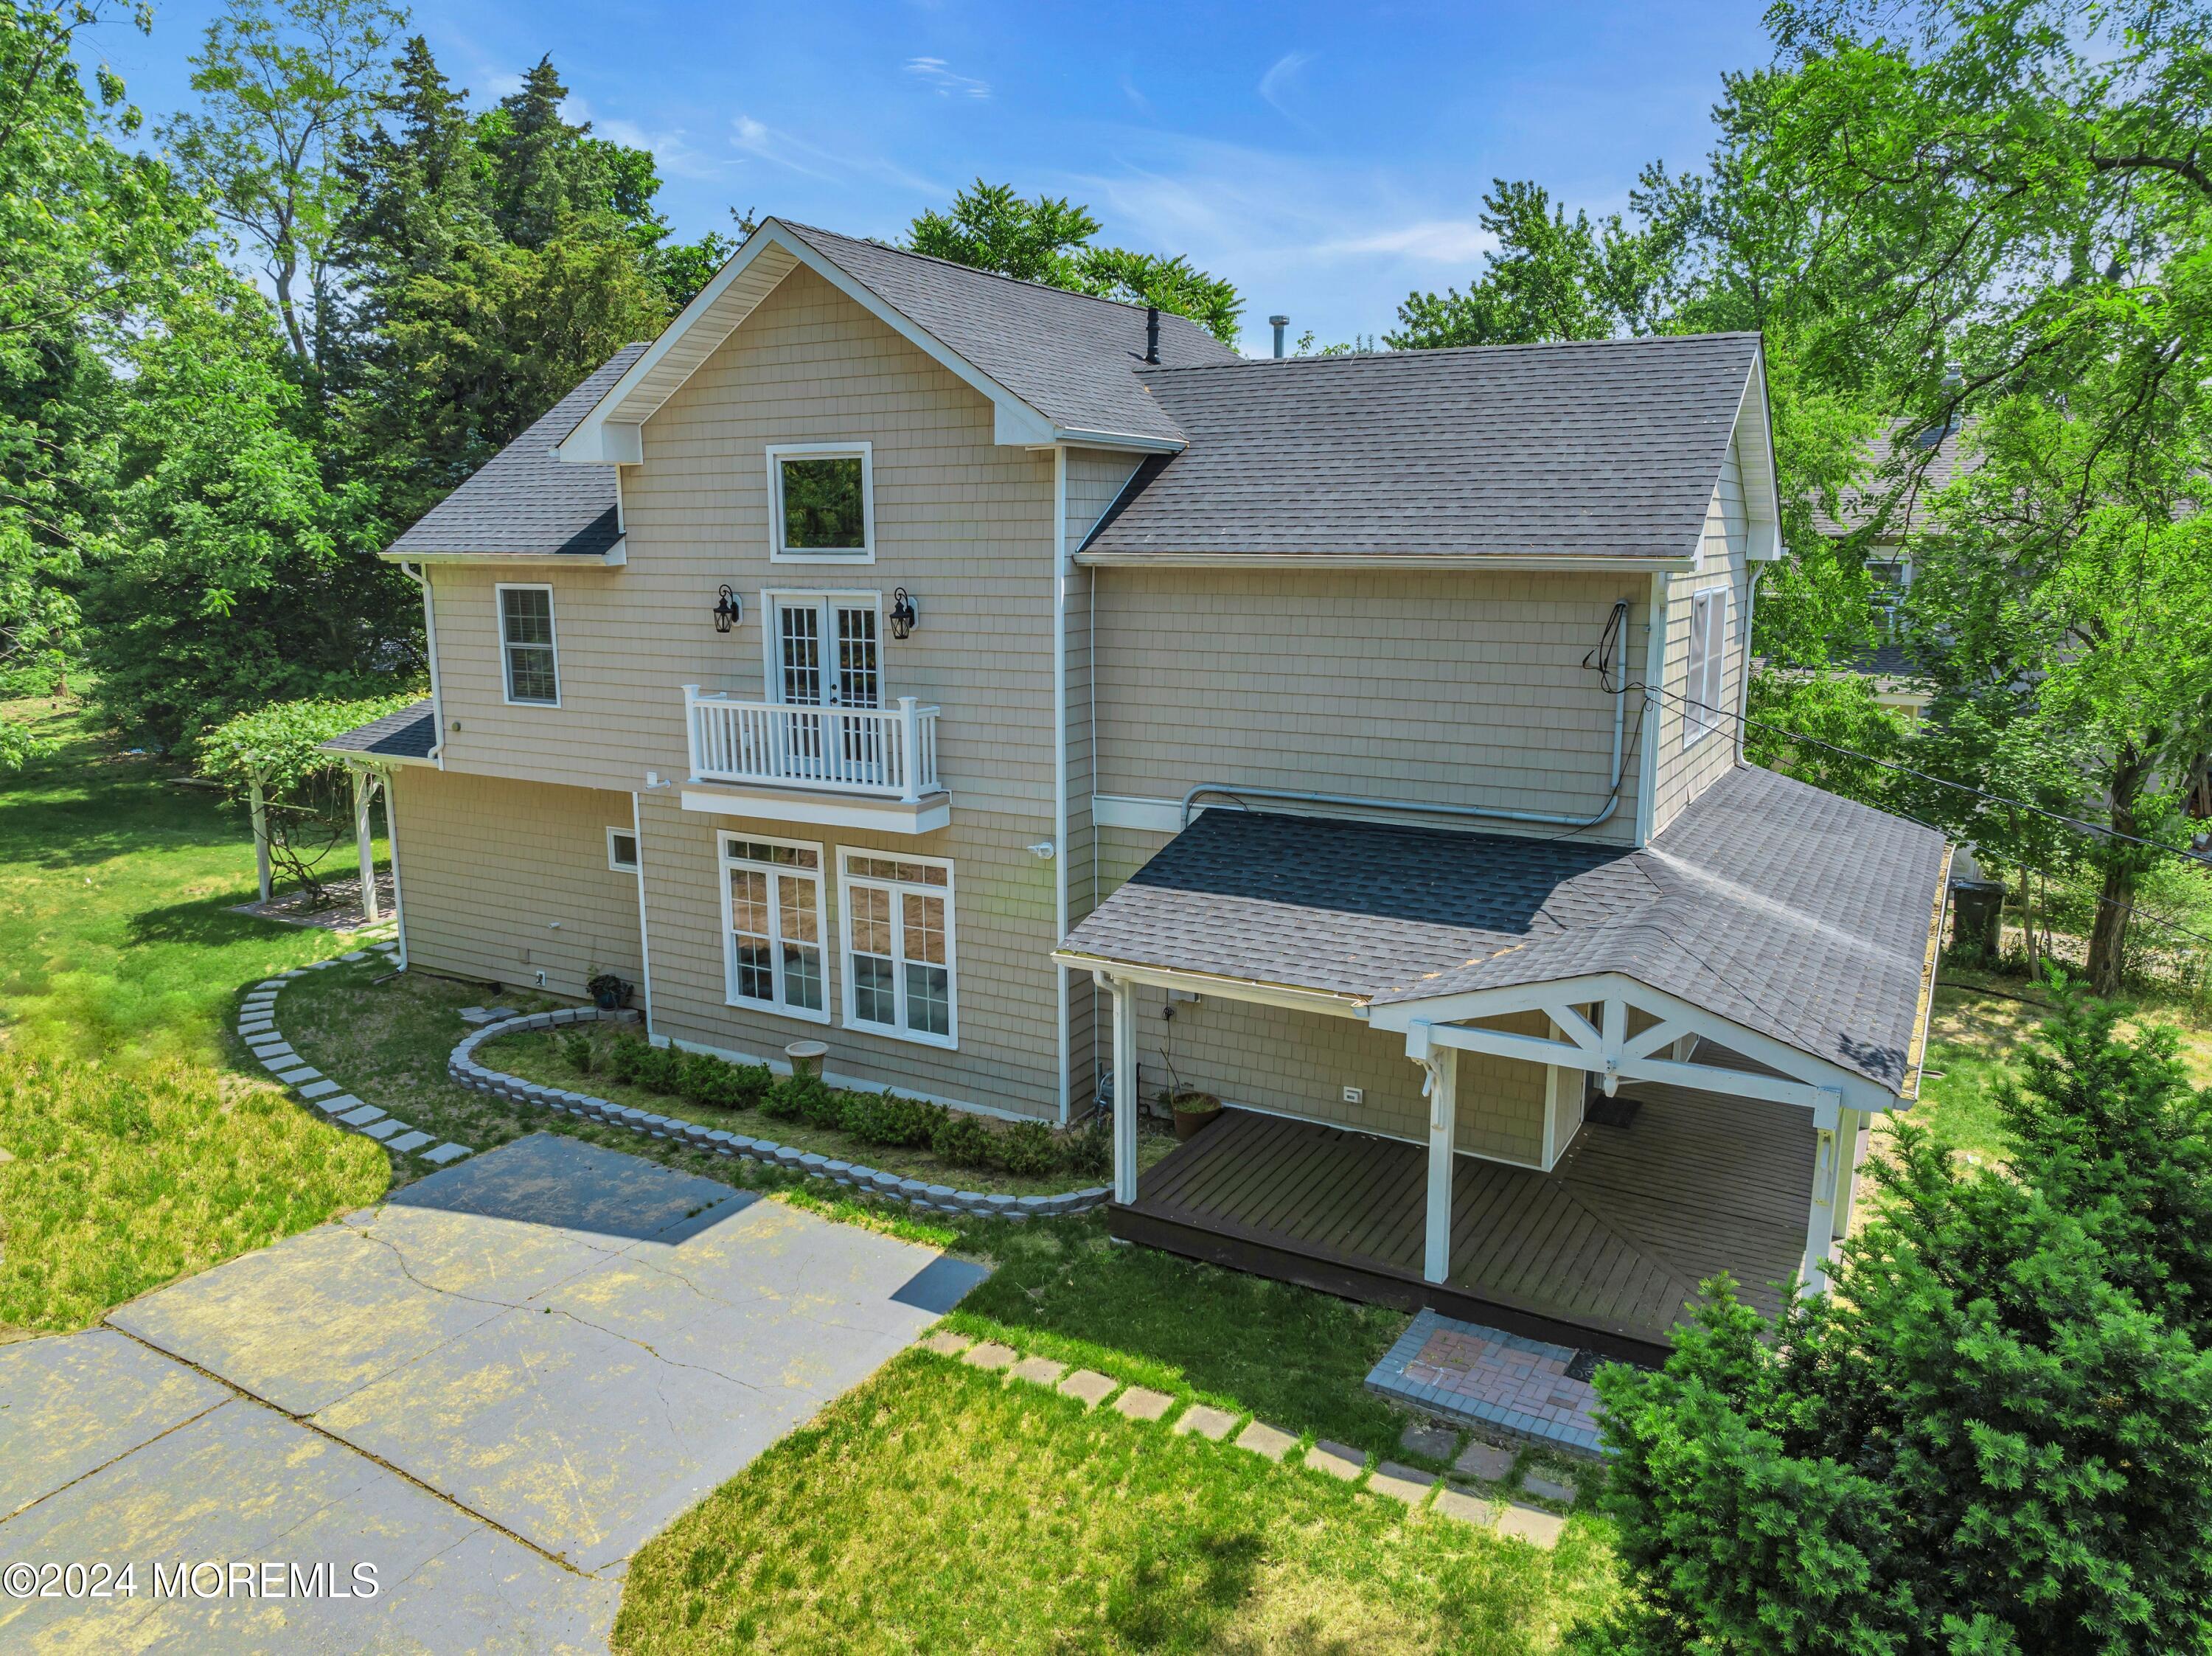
<point x="1326" y="158"/>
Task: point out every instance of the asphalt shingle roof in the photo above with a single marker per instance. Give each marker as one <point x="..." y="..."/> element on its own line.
<point x="411" y="733"/>
<point x="1072" y="357"/>
<point x="1598" y="449"/>
<point x="1783" y="908"/>
<point x="525" y="501"/>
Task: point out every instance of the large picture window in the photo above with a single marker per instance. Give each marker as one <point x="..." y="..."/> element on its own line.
<point x="773" y="926"/>
<point x="899" y="970"/>
<point x="1708" y="675"/>
<point x="821" y="503"/>
<point x="526" y="642"/>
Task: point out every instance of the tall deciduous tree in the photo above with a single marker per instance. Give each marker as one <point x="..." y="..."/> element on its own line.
<point x="282" y="91"/>
<point x="1047" y="239"/>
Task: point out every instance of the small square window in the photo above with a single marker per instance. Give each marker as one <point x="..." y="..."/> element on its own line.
<point x="621" y="851"/>
<point x="820" y="504"/>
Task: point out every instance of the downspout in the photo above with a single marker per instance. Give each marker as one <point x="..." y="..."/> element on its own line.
<point x="644" y="943"/>
<point x="1655" y="678"/>
<point x="1060" y="568"/>
<point x="437" y="754"/>
<point x="399" y="884"/>
<point x="1485" y="813"/>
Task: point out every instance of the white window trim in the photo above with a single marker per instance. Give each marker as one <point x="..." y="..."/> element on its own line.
<point x="779" y="452"/>
<point x="499" y="591"/>
<point x="820" y="875"/>
<point x="1704" y="677"/>
<point x="772" y="635"/>
<point x="614" y="863"/>
<point x="847" y="880"/>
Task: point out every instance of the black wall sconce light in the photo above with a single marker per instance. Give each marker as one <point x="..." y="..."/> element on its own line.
<point x="902" y="615"/>
<point x="729" y="610"/>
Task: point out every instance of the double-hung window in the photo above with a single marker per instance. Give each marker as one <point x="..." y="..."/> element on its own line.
<point x="899" y="974"/>
<point x="773" y="926"/>
<point x="1703" y="686"/>
<point x="526" y="642"/>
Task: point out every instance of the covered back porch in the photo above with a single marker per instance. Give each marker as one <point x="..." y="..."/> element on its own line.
<point x="1663" y="1188"/>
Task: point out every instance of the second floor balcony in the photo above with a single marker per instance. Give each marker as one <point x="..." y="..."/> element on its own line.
<point x="837" y="766"/>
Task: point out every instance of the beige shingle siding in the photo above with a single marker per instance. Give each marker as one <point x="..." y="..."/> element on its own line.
<point x="1443" y="688"/>
<point x="964" y="525"/>
<point x="1685" y="773"/>
<point x="1002" y="940"/>
<point x="1095" y="478"/>
<point x="490" y="865"/>
<point x="1299" y="1063"/>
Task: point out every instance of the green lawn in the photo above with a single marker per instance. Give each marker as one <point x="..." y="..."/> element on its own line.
<point x="135" y="1152"/>
<point x="940" y="1508"/>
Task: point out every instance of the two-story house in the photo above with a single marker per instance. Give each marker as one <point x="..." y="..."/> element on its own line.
<point x="1012" y="689"/>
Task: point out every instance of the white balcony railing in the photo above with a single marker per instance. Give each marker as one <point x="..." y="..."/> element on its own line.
<point x="889" y="752"/>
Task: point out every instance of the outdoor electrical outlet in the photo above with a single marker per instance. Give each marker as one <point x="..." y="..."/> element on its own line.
<point x="541" y="984"/>
<point x="1352" y="1095"/>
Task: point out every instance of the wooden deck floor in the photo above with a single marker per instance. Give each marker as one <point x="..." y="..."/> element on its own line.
<point x="1606" y="1246"/>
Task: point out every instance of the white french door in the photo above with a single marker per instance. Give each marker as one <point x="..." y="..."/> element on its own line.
<point x="825" y="654"/>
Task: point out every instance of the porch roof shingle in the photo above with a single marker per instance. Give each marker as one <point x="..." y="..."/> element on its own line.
<point x="1783" y="908"/>
<point x="409" y="733"/>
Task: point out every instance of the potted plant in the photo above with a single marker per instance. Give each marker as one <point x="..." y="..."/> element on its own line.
<point x="1194" y="1110"/>
<point x="609" y="993"/>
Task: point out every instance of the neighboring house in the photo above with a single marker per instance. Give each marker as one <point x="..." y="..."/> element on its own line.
<point x="1932" y="460"/>
<point x="1014" y="690"/>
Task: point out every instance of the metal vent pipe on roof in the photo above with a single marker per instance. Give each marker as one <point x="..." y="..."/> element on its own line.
<point x="1278" y="323"/>
<point x="1152" y="333"/>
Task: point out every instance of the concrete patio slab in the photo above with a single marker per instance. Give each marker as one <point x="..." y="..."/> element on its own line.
<point x="71" y="1404"/>
<point x="239" y="1481"/>
<point x="570" y="1342"/>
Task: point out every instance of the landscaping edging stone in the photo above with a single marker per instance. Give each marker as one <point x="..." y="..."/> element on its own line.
<point x="465" y="1072"/>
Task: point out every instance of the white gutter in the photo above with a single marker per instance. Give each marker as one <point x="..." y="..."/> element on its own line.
<point x="437" y="703"/>
<point x="1537" y="561"/>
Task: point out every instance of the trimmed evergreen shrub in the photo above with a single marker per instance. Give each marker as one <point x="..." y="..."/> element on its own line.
<point x="624" y="1054"/>
<point x="888" y="1119"/>
<point x="1026" y="1149"/>
<point x="749" y="1084"/>
<point x="963" y="1140"/>
<point x="660" y="1068"/>
<point x="705" y="1079"/>
<point x="577" y="1048"/>
<point x="784" y="1101"/>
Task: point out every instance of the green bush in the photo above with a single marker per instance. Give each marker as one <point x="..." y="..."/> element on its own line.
<point x="1991" y="1436"/>
<point x="577" y="1048"/>
<point x="660" y="1069"/>
<point x="749" y="1084"/>
<point x="624" y="1056"/>
<point x="702" y="1078"/>
<point x="786" y="1100"/>
<point x="1090" y="1148"/>
<point x="1027" y="1150"/>
<point x="961" y="1140"/>
<point x="888" y="1119"/>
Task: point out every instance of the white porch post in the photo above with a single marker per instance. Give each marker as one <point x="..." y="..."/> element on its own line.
<point x="1820" y="1226"/>
<point x="1847" y="1169"/>
<point x="364" y="790"/>
<point x="1126" y="1098"/>
<point x="258" y="803"/>
<point x="1441" y="1088"/>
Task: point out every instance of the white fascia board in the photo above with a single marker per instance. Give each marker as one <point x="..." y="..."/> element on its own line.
<point x="1487" y="563"/>
<point x="1755" y="420"/>
<point x="1209" y="983"/>
<point x="615" y="557"/>
<point x="1016" y="423"/>
<point x="771" y="804"/>
<point x="1076" y="437"/>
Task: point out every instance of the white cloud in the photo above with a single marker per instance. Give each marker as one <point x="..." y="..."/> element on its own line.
<point x="763" y="143"/>
<point x="672" y="151"/>
<point x="1449" y="241"/>
<point x="1278" y="81"/>
<point x="936" y="74"/>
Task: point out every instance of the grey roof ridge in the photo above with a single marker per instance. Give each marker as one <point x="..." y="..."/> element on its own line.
<point x="995" y="276"/>
<point x="1146" y="370"/>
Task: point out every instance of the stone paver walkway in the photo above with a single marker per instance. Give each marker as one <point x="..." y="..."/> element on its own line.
<point x="257" y="1027"/>
<point x="1420" y="1492"/>
<point x="1486" y="1378"/>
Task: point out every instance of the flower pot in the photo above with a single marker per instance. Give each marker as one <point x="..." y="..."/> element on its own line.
<point x="1194" y="1113"/>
